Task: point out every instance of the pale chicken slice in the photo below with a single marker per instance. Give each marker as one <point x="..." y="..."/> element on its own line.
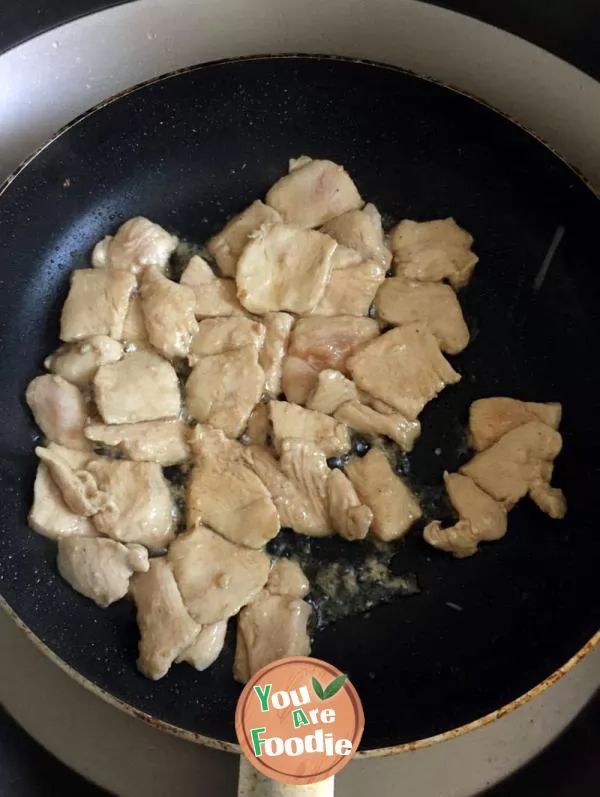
<point x="305" y="465"/>
<point x="141" y="508"/>
<point x="491" y="418"/>
<point x="138" y="244"/>
<point x="317" y="344"/>
<point x="218" y="335"/>
<point x="78" y="362"/>
<point x="349" y="516"/>
<point x="287" y="578"/>
<point x="140" y="387"/>
<point x="77" y="486"/>
<point x="225" y="494"/>
<point x="394" y="507"/>
<point x="215" y="296"/>
<point x="400" y="302"/>
<point x="550" y="500"/>
<point x="166" y="628"/>
<point x="313" y="192"/>
<point x="431" y="251"/>
<point x="361" y="230"/>
<point x="404" y="368"/>
<point x="223" y="389"/>
<point x="97" y="304"/>
<point x="100" y="568"/>
<point x="134" y="326"/>
<point x="331" y="390"/>
<point x="206" y="648"/>
<point x="59" y="409"/>
<point x="344" y="258"/>
<point x="227" y="245"/>
<point x="278" y="327"/>
<point x="291" y="421"/>
<point x="259" y="430"/>
<point x="351" y="290"/>
<point x="366" y="420"/>
<point x="169" y="313"/>
<point x="216" y="577"/>
<point x="164" y="442"/>
<point x="284" y="268"/>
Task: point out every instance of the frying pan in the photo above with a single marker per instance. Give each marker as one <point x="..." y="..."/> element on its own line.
<point x="189" y="150"/>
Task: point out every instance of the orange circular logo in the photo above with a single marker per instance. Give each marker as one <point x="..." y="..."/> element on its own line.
<point x="299" y="720"/>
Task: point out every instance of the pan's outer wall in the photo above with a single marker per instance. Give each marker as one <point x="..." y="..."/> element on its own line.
<point x="191" y="150"/>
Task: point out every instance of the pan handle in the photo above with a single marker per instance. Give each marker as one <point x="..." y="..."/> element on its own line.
<point x="253" y="784"/>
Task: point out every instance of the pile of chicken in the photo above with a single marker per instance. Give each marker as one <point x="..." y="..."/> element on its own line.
<point x="284" y="311"/>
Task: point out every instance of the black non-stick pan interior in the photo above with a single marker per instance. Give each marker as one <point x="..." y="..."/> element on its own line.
<point x="190" y="150"/>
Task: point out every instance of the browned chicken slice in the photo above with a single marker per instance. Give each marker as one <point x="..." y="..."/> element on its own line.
<point x="218" y="335"/>
<point x="400" y="302"/>
<point x="166" y="628"/>
<point x="431" y="251"/>
<point x="259" y="430"/>
<point x="394" y="507"/>
<point x="78" y="362"/>
<point x="214" y="296"/>
<point x="137" y="244"/>
<point x="134" y="327"/>
<point x="141" y="508"/>
<point x="366" y="420"/>
<point x="59" y="410"/>
<point x="284" y="268"/>
<point x="404" y="368"/>
<point x="216" y="577"/>
<point x="223" y="389"/>
<point x="164" y="442"/>
<point x="361" y="230"/>
<point x="313" y="192"/>
<point x="491" y="418"/>
<point x="227" y="245"/>
<point x="97" y="304"/>
<point x="292" y="421"/>
<point x="550" y="500"/>
<point x="77" y="486"/>
<point x="331" y="390"/>
<point x="286" y="578"/>
<point x="305" y="465"/>
<point x="349" y="517"/>
<point x="225" y="494"/>
<point x="278" y="328"/>
<point x="207" y="646"/>
<point x="140" y="387"/>
<point x="169" y="313"/>
<point x="461" y="539"/>
<point x="318" y="343"/>
<point x="351" y="291"/>
<point x="100" y="568"/>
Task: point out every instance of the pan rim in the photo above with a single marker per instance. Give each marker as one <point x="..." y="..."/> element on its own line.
<point x="168" y="727"/>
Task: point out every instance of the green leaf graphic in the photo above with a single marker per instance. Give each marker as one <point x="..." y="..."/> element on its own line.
<point x="335" y="686"/>
<point x="318" y="689"/>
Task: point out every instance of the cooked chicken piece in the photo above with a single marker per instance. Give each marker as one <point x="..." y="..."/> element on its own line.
<point x="141" y="508"/>
<point x="461" y="539"/>
<point x="317" y="344"/>
<point x="169" y="313"/>
<point x="225" y="494"/>
<point x="394" y="507"/>
<point x="166" y="628"/>
<point x="259" y="429"/>
<point x="223" y="389"/>
<point x="375" y="404"/>
<point x="400" y="302"/>
<point x="365" y="420"/>
<point x="278" y="328"/>
<point x="509" y="468"/>
<point x="164" y="442"/>
<point x="227" y="245"/>
<point x="218" y="335"/>
<point x="78" y="362"/>
<point x="207" y="647"/>
<point x="216" y="577"/>
<point x="284" y="268"/>
<point x="214" y="296"/>
<point x="58" y="409"/>
<point x="292" y="421"/>
<point x="344" y="258"/>
<point x="349" y="517"/>
<point x="140" y="387"/>
<point x="100" y="568"/>
<point x="286" y="578"/>
<point x="96" y="305"/>
<point x="78" y="487"/>
<point x="550" y="500"/>
<point x="491" y="418"/>
<point x="306" y="466"/>
<point x="272" y="627"/>
<point x="351" y="291"/>
<point x="361" y="230"/>
<point x="137" y="244"/>
<point x="431" y="251"/>
<point x="313" y="192"/>
<point x="331" y="390"/>
<point x="405" y="368"/>
<point x="134" y="327"/>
